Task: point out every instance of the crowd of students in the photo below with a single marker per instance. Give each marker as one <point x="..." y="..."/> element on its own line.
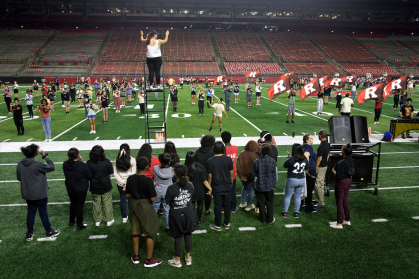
<point x="147" y="183"/>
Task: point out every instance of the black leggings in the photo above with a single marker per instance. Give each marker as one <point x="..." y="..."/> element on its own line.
<point x="201" y="106"/>
<point x="338" y="100"/>
<point x="396" y="102"/>
<point x="8" y="102"/>
<point x="199" y="209"/>
<point x="377" y="114"/>
<point x="154" y="65"/>
<point x="19" y="125"/>
<point x="178" y="244"/>
<point x="30" y="110"/>
<point x="208" y="200"/>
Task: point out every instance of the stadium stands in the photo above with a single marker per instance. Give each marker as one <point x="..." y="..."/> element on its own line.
<point x="374" y="69"/>
<point x="73" y="47"/>
<point x="9" y="70"/>
<point x="192" y="45"/>
<point x="125" y="45"/>
<point x="170" y="68"/>
<point x="343" y="48"/>
<point x="241" y="68"/>
<point x="19" y="45"/>
<point x="310" y="68"/>
<point x="390" y="50"/>
<point x="61" y="71"/>
<point x="292" y="47"/>
<point x="241" y="46"/>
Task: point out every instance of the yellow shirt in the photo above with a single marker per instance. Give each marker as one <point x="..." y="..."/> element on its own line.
<point x="171" y="81"/>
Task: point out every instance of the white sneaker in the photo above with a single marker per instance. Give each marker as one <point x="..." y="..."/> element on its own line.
<point x="347" y="223"/>
<point x="243" y="205"/>
<point x="250" y="208"/>
<point x="45" y="140"/>
<point x="94" y="132"/>
<point x="110" y="223"/>
<point x="257" y="210"/>
<point x="188" y="261"/>
<point x="378" y="123"/>
<point x="91" y="132"/>
<point x="124" y="220"/>
<point x="336" y="226"/>
<point x="174" y="263"/>
<point x="49" y="140"/>
<point x="97" y="224"/>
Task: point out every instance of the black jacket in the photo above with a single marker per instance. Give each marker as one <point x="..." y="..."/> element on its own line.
<point x="101" y="176"/>
<point x="204" y="153"/>
<point x="77" y="176"/>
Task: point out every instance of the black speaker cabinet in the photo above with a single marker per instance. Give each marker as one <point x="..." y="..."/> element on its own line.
<point x="340" y="129"/>
<point x="364" y="163"/>
<point x="359" y="129"/>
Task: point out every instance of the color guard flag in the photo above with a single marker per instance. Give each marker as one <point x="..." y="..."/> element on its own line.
<point x="310" y="88"/>
<point x="281" y="86"/>
<point x="322" y="81"/>
<point x="221" y="78"/>
<point x="253" y="74"/>
<point x="350" y="79"/>
<point x="394" y="86"/>
<point x="336" y="82"/>
<point x="371" y="93"/>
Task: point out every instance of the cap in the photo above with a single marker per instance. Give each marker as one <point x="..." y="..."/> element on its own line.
<point x="153" y="32"/>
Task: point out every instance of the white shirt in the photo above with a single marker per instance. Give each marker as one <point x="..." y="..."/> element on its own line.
<point x="153" y="51"/>
<point x="258" y="88"/>
<point x="82" y="79"/>
<point x="218" y="110"/>
<point x="411" y="84"/>
<point x="353" y="87"/>
<point x="15" y="86"/>
<point x="346" y="105"/>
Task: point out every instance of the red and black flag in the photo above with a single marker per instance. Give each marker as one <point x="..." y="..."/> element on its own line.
<point x="253" y="74"/>
<point x="310" y="88"/>
<point x="322" y="81"/>
<point x="281" y="86"/>
<point x="396" y="85"/>
<point x="221" y="78"/>
<point x="336" y="82"/>
<point x="371" y="93"/>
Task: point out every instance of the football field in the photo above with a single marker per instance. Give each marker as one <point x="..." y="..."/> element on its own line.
<point x="381" y="242"/>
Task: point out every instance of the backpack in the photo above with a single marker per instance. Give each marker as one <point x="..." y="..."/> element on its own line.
<point x="388" y="137"/>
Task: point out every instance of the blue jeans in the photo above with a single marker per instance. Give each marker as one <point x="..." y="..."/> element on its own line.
<point x="46" y="124"/>
<point x="85" y="111"/>
<point x="233" y="196"/>
<point x="123" y="202"/>
<point x="161" y="199"/>
<point x="248" y="192"/>
<point x="293" y="185"/>
<point x="41" y="206"/>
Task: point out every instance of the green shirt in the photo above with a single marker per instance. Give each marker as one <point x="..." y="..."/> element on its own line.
<point x="291" y="100"/>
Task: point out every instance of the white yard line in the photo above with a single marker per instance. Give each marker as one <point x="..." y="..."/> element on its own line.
<point x="167" y="107"/>
<point x="74" y="138"/>
<point x="29" y="139"/>
<point x="11" y="117"/>
<point x="368" y="111"/>
<point x="6" y="140"/>
<point x="118" y="138"/>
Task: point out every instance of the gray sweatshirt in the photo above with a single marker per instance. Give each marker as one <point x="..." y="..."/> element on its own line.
<point x="164" y="178"/>
<point x="33" y="179"/>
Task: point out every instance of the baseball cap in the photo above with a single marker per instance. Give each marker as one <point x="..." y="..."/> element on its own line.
<point x="153" y="32"/>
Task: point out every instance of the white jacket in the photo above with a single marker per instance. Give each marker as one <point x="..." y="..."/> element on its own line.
<point x="121" y="177"/>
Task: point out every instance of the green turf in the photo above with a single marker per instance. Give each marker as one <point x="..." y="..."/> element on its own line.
<point x="127" y="125"/>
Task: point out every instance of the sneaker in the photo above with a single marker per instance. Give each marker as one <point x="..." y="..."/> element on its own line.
<point x="188" y="261"/>
<point x="319" y="206"/>
<point x="234" y="211"/>
<point x="82" y="227"/>
<point x="174" y="263"/>
<point x="53" y="233"/>
<point x="124" y="220"/>
<point x="110" y="222"/>
<point x="197" y="225"/>
<point x="378" y="123"/>
<point x="314" y="210"/>
<point x="215" y="228"/>
<point x="347" y="223"/>
<point x="257" y="210"/>
<point x="296" y="215"/>
<point x="272" y="221"/>
<point x="303" y="204"/>
<point x="243" y="205"/>
<point x="29" y="236"/>
<point x="207" y="213"/>
<point x="227" y="226"/>
<point x="287" y="122"/>
<point x="284" y="214"/>
<point x="94" y="132"/>
<point x="91" y="132"/>
<point x="210" y="129"/>
<point x="336" y="226"/>
<point x="292" y="121"/>
<point x="250" y="208"/>
<point x="152" y="262"/>
<point x="46" y="140"/>
<point x="97" y="224"/>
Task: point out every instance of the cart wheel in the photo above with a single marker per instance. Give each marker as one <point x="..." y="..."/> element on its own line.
<point x="328" y="193"/>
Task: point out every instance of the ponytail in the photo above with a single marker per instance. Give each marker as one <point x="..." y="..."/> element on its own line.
<point x="148" y="39"/>
<point x="181" y="173"/>
<point x="30" y="151"/>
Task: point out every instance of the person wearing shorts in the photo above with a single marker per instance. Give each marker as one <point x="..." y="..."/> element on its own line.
<point x="193" y="93"/>
<point x="249" y="96"/>
<point x="129" y="92"/>
<point x="291" y="105"/>
<point x="91" y="115"/>
<point x="16" y="89"/>
<point x="51" y="98"/>
<point x="218" y="112"/>
<point x="327" y="95"/>
<point x="35" y="88"/>
<point x="236" y="93"/>
<point x="210" y="94"/>
<point x="105" y="106"/>
<point x="258" y="93"/>
<point x="66" y="101"/>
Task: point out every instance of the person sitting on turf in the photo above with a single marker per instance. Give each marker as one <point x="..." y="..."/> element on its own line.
<point x="343" y="171"/>
<point x="182" y="214"/>
<point x="34" y="188"/>
<point x="264" y="173"/>
<point x="220" y="173"/>
<point x="142" y="215"/>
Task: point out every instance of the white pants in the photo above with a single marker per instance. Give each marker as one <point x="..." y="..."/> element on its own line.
<point x="319" y="105"/>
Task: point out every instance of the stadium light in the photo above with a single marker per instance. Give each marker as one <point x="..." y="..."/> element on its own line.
<point x="288" y="30"/>
<point x="332" y="31"/>
<point x="22" y="27"/>
<point x="186" y="12"/>
<point x="77" y="28"/>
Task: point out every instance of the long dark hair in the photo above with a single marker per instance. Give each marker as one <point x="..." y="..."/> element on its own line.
<point x="97" y="154"/>
<point x="30" y="151"/>
<point x="181" y="173"/>
<point x="165" y="159"/>
<point x="123" y="160"/>
<point x="192" y="164"/>
<point x="170" y="148"/>
<point x="146" y="150"/>
<point x="73" y="154"/>
<point x="297" y="152"/>
<point x="148" y="38"/>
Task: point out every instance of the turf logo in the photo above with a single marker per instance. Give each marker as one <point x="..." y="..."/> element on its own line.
<point x="181" y="115"/>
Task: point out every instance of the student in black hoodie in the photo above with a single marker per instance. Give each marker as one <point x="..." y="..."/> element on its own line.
<point x="204" y="153"/>
<point x="77" y="176"/>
